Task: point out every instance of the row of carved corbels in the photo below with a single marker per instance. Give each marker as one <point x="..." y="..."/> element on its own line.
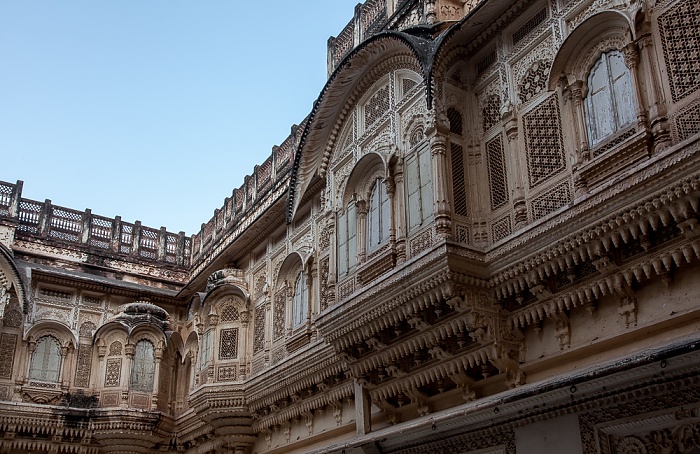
<point x="297" y="383"/>
<point x="679" y="205"/>
<point x="330" y="400"/>
<point x="616" y="281"/>
<point x="505" y="356"/>
<point x="418" y="298"/>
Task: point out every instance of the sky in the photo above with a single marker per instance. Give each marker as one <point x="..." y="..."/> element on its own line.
<point x="154" y="110"/>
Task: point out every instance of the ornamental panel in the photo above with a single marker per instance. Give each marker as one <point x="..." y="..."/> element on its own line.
<point x="544" y="142"/>
<point x="82" y="370"/>
<point x="680" y="40"/>
<point x="278" y="315"/>
<point x="8" y="343"/>
<point x="228" y="344"/>
<point x="259" y="329"/>
<point x="113" y="372"/>
<point x="376" y="106"/>
<point x="551" y="201"/>
<point x="496" y="166"/>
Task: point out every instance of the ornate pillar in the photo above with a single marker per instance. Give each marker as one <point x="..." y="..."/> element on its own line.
<point x="390" y="192"/>
<point x="157" y="357"/>
<point x="631" y="54"/>
<point x="311" y="274"/>
<point x="399" y="214"/>
<point x="361" y="232"/>
<point x="658" y="121"/>
<point x="245" y="319"/>
<point x="64" y="374"/>
<point x="438" y="127"/>
<point x="129" y="350"/>
<point x="510" y="120"/>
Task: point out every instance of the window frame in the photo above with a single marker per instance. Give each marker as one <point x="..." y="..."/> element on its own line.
<point x="40" y="374"/>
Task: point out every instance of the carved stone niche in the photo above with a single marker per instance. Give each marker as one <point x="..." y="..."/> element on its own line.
<point x="226" y="276"/>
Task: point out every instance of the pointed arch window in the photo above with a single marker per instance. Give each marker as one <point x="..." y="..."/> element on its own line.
<point x="347" y="239"/>
<point x="46" y="360"/>
<point x="143" y="367"/>
<point x="378" y="216"/>
<point x="300" y="302"/>
<point x="609" y="105"/>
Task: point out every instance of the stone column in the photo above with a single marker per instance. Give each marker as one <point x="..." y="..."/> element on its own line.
<point x="361" y="231"/>
<point x="64" y="374"/>
<point x="390" y="192"/>
<point x="631" y="53"/>
<point x="157" y="356"/>
<point x="245" y="319"/>
<point x="363" y="410"/>
<point x="443" y="219"/>
<point x="658" y="121"/>
<point x="399" y="215"/>
<point x="129" y="351"/>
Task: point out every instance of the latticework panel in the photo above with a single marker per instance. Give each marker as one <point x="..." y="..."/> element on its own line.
<point x="66" y="224"/>
<point x="259" y="330"/>
<point x="278" y="315"/>
<point x="687" y="123"/>
<point x="407" y="84"/>
<point x="486" y="62"/>
<point x="501" y="228"/>
<point x="534" y="82"/>
<point x="498" y="179"/>
<point x="29" y="216"/>
<point x="491" y="112"/>
<point x="101" y="232"/>
<point x="8" y="343"/>
<point x="458" y="184"/>
<point x="529" y="26"/>
<point x="113" y="372"/>
<point x="227" y="373"/>
<point x="462" y="233"/>
<point x="680" y="40"/>
<point x="228" y="344"/>
<point x="455" y="119"/>
<point x="229" y="313"/>
<point x="376" y="106"/>
<point x="323" y="267"/>
<point x="549" y="202"/>
<point x="544" y="142"/>
<point x="6" y="198"/>
<point x="148" y="246"/>
<point x="82" y="370"/>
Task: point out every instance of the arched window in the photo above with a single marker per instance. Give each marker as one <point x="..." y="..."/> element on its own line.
<point x="205" y="350"/>
<point x="300" y="303"/>
<point x="609" y="104"/>
<point x="419" y="188"/>
<point x="347" y="239"/>
<point x="46" y="360"/>
<point x="378" y="216"/>
<point x="143" y="367"/>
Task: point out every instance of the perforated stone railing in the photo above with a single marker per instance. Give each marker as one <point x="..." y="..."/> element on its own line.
<point x="371" y="17"/>
<point x="272" y="173"/>
<point x="97" y="234"/>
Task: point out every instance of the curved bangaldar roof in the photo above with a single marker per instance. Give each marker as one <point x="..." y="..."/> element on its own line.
<point x="425" y="44"/>
<point x="337" y="98"/>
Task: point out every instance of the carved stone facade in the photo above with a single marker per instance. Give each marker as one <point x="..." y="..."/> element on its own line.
<point x="484" y="238"/>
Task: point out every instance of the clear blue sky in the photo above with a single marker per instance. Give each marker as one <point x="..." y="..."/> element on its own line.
<point x="154" y="110"/>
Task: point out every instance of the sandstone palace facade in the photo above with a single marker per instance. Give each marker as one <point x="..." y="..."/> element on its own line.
<point x="483" y="239"/>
